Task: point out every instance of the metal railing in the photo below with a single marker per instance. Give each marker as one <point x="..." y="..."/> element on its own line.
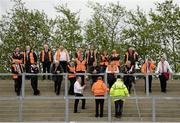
<point x="66" y="97"/>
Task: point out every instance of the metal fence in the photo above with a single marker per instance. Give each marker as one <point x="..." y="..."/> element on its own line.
<point x="67" y="98"/>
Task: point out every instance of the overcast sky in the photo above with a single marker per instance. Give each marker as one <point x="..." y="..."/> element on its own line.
<point x="77" y="5"/>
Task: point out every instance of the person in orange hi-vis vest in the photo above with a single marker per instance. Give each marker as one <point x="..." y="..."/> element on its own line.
<point x="72" y="77"/>
<point x="104" y="59"/>
<point x="115" y="58"/>
<point x="111" y="70"/>
<point x="30" y="58"/>
<point x="79" y="53"/>
<point x="62" y="56"/>
<point x="17" y="55"/>
<point x="148" y="68"/>
<point x="17" y="69"/>
<point x="99" y="89"/>
<point x="81" y="68"/>
<point x="46" y="59"/>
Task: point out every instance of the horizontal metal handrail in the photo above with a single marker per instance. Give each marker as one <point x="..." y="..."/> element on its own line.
<point x="135" y="74"/>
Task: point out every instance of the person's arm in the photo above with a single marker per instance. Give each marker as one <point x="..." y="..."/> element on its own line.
<point x="92" y="89"/>
<point x="158" y="67"/>
<point x="14" y="71"/>
<point x="55" y="56"/>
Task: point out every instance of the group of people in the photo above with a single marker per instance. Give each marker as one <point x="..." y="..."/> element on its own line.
<point x="83" y="62"/>
<point x="87" y="62"/>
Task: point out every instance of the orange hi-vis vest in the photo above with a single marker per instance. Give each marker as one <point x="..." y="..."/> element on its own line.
<point x="144" y="68"/>
<point x="116" y="62"/>
<point x="112" y="68"/>
<point x="81" y="66"/>
<point x="103" y="62"/>
<point x="99" y="88"/>
<point x="31" y="56"/>
<point x="58" y="55"/>
<point x="72" y="69"/>
<point x="15" y="76"/>
<point x="49" y="56"/>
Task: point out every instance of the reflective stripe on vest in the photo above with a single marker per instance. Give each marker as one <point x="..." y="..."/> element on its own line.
<point x="49" y="56"/>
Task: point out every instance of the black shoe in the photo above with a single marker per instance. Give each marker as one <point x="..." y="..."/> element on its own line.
<point x="96" y="115"/>
<point x="18" y="93"/>
<point x="83" y="108"/>
<point x="75" y="111"/>
<point x="37" y="93"/>
<point x="101" y="115"/>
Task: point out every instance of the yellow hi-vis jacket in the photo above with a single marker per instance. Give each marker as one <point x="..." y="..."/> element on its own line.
<point x="119" y="90"/>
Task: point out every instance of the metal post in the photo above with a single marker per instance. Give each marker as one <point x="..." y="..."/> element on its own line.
<point x="105" y="78"/>
<point x="23" y="85"/>
<point x="21" y="98"/>
<point x="153" y="109"/>
<point x="109" y="108"/>
<point x="147" y="84"/>
<point x="66" y="99"/>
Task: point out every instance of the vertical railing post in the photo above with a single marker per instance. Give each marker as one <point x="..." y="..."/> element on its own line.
<point x="105" y="78"/>
<point x="147" y="84"/>
<point x="66" y="99"/>
<point x="109" y="108"/>
<point x="153" y="109"/>
<point x="21" y="98"/>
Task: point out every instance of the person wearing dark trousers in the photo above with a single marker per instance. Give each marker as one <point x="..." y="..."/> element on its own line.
<point x="30" y="58"/>
<point x="78" y="91"/>
<point x="17" y="69"/>
<point x="147" y="68"/>
<point x="111" y="70"/>
<point x="94" y="70"/>
<point x="119" y="91"/>
<point x="57" y="69"/>
<point x="72" y="77"/>
<point x="128" y="78"/>
<point x="99" y="89"/>
<point x="34" y="79"/>
<point x="164" y="70"/>
<point x="46" y="59"/>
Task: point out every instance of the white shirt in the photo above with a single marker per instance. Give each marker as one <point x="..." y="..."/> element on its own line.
<point x="167" y="67"/>
<point x="107" y="70"/>
<point x="78" y="88"/>
<point x="64" y="56"/>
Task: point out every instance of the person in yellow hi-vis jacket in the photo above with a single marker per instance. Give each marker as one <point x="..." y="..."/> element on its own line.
<point x="119" y="90"/>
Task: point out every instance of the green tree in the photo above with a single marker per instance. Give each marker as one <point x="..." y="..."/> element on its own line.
<point x="21" y="27"/>
<point x="67" y="29"/>
<point x="106" y="25"/>
<point x="167" y="18"/>
<point x="140" y="34"/>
